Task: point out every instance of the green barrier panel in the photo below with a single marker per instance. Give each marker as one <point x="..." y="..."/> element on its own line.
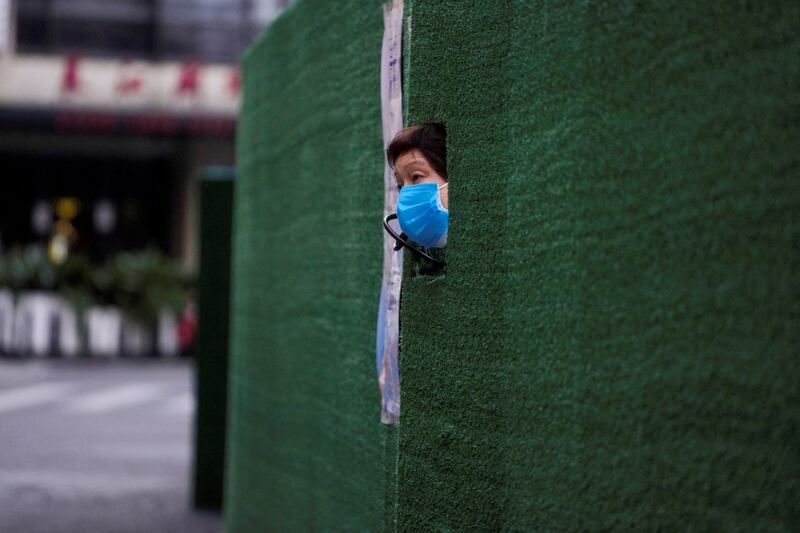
<point x="216" y="213"/>
<point x="614" y="342"/>
<point x="306" y="449"/>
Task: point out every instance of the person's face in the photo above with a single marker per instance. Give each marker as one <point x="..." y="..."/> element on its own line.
<point x="411" y="168"/>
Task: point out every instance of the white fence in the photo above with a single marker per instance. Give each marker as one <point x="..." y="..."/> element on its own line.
<point x="42" y="324"/>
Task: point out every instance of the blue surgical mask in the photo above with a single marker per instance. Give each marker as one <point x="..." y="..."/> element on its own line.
<point x="421" y="214"/>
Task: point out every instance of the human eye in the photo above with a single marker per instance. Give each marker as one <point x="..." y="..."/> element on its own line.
<point x="415" y="177"/>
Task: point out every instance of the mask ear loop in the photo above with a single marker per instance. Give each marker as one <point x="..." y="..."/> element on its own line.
<point x="439" y="198"/>
<point x="401" y="241"/>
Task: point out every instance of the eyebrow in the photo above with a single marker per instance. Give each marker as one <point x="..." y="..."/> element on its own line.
<point x="414" y="163"/>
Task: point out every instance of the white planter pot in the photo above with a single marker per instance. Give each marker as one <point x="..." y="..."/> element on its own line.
<point x="136" y="339"/>
<point x="104" y="331"/>
<point x="69" y="340"/>
<point x="6" y="320"/>
<point x="35" y="321"/>
<point x="168" y="334"/>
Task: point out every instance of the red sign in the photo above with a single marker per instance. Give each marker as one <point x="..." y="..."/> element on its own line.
<point x="189" y="79"/>
<point x="70" y="82"/>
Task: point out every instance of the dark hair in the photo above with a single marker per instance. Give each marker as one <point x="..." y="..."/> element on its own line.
<point x="429" y="138"/>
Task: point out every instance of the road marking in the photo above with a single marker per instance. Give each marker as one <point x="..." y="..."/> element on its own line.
<point x="31" y="395"/>
<point x="114" y="398"/>
<point x="69" y="484"/>
<point x="181" y="405"/>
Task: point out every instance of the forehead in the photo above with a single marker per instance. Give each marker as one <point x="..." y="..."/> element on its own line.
<point x="410" y="160"/>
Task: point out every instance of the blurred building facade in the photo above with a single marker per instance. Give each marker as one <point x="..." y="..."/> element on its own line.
<point x="116" y="107"/>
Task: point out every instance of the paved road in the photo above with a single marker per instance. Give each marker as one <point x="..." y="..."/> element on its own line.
<point x="97" y="447"/>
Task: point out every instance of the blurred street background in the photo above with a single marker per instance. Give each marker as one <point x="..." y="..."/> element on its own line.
<point x="101" y="447"/>
<point x="113" y="115"/>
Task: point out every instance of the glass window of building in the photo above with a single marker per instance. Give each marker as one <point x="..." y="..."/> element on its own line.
<point x="208" y="30"/>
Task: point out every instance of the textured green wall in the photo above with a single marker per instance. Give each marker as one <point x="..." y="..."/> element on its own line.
<point x="306" y="446"/>
<point x="211" y="375"/>
<point x="614" y="344"/>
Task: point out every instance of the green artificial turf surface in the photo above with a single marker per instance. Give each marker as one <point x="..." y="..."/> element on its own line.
<point x="614" y="344"/>
<point x="306" y="449"/>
